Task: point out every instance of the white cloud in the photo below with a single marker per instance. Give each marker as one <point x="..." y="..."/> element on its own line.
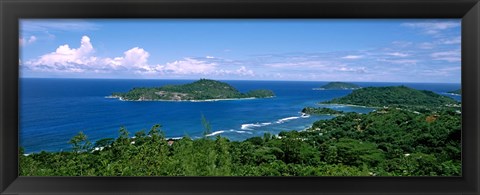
<point x="25" y="41"/>
<point x="135" y="57"/>
<point x="397" y="54"/>
<point x="349" y="69"/>
<point x="66" y="59"/>
<point x="352" y="57"/>
<point x="296" y="64"/>
<point x="82" y="59"/>
<point x="451" y="41"/>
<point x="450" y="56"/>
<point x="189" y="66"/>
<point x="426" y="45"/>
<point x="433" y="27"/>
<point x="399" y="61"/>
<point x="244" y="71"/>
<point x="442" y="72"/>
<point x="32" y="39"/>
<point x="45" y="25"/>
<point x="401" y="43"/>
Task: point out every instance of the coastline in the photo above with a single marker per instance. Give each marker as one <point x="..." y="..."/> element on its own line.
<point x="321" y="89"/>
<point x="454" y="94"/>
<point x="207" y="100"/>
<point x="351" y="105"/>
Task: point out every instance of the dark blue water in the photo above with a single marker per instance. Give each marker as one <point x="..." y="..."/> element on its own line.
<point x="54" y="110"/>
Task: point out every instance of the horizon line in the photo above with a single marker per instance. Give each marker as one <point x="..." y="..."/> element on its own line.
<point x="237" y="80"/>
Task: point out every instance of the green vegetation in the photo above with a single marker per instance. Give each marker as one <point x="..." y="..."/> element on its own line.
<point x="340" y="85"/>
<point x="458" y="92"/>
<point x="400" y="96"/>
<point x="387" y="142"/>
<point x="391" y="141"/>
<point x="310" y="110"/>
<point x="203" y="89"/>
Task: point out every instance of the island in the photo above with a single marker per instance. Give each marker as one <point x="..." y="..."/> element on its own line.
<point x="394" y="96"/>
<point x="201" y="90"/>
<point x="338" y="85"/>
<point x="456" y="92"/>
<point x="326" y="111"/>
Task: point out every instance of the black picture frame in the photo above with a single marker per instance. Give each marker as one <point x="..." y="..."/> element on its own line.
<point x="13" y="10"/>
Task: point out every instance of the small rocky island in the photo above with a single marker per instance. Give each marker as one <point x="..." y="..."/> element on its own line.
<point x="338" y="85"/>
<point x="201" y="90"/>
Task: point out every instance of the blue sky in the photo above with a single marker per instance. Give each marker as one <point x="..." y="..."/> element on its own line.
<point x="313" y="50"/>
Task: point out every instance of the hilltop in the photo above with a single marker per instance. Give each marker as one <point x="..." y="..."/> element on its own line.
<point x="203" y="89"/>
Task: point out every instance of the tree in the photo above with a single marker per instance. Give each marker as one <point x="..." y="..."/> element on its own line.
<point x="207" y="129"/>
<point x="80" y="142"/>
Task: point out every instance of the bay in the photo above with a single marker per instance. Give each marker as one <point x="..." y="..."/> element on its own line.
<point x="54" y="110"/>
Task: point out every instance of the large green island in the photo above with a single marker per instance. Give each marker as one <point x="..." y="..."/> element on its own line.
<point x="201" y="90"/>
<point x="395" y="96"/>
<point x="338" y="85"/>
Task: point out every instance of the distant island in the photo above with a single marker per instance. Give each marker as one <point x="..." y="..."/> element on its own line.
<point x="456" y="92"/>
<point x="327" y="111"/>
<point x="338" y="85"/>
<point x="395" y="96"/>
<point x="201" y="90"/>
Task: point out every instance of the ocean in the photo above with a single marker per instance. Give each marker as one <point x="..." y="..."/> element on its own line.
<point x="52" y="111"/>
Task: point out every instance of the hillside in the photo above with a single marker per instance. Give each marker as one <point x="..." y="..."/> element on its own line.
<point x="339" y="85"/>
<point x="400" y="96"/>
<point x="203" y="89"/>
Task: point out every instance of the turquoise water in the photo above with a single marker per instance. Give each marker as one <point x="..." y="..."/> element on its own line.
<point x="54" y="110"/>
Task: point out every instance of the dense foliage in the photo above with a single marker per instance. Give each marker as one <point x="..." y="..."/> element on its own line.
<point x="388" y="142"/>
<point x="340" y="85"/>
<point x="399" y="96"/>
<point x="203" y="89"/>
<point x="329" y="111"/>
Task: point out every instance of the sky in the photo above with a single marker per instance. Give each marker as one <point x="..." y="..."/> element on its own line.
<point x="361" y="50"/>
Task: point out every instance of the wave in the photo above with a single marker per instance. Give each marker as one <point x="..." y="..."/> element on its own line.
<point x="305" y="115"/>
<point x="286" y="119"/>
<point x="453" y="94"/>
<point x="250" y="125"/>
<point x="233" y="130"/>
<point x="174" y="138"/>
<point x="215" y="133"/>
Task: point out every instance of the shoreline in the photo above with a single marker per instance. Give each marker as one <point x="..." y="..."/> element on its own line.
<point x="454" y="94"/>
<point x="207" y="100"/>
<point x="351" y="105"/>
<point x="321" y="89"/>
